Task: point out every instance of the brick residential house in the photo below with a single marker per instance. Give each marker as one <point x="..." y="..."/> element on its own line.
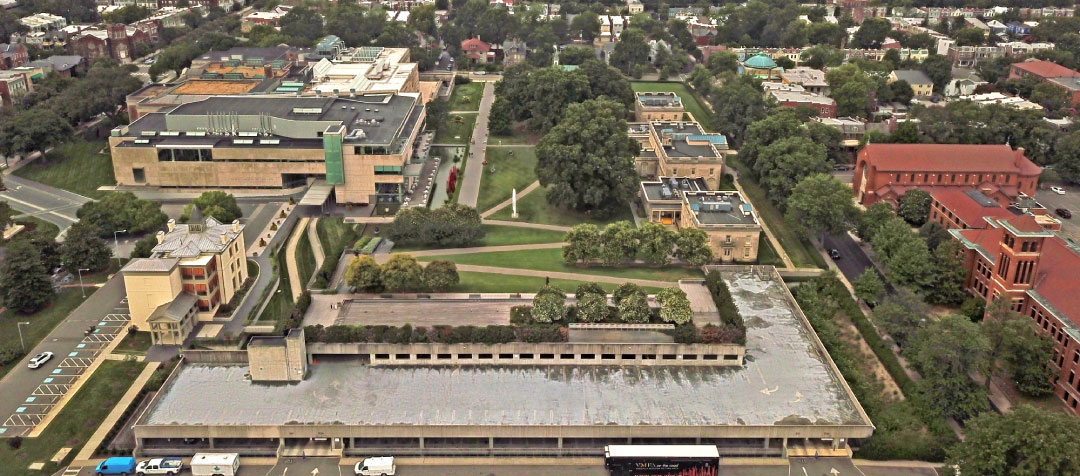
<point x="117" y="41"/>
<point x="478" y="51"/>
<point x="887" y="171"/>
<point x="13" y="55"/>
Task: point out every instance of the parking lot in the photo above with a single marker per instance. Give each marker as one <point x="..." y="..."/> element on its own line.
<point x="1070" y="201"/>
<point x="29" y="394"/>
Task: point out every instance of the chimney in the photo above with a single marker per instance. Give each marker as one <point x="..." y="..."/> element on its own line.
<point x="235" y="226"/>
<point x="171" y="224"/>
<point x="225" y="238"/>
<point x="161" y="236"/>
<point x="1019" y="157"/>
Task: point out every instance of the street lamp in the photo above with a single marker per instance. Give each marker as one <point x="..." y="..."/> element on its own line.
<point x="80" y="270"/>
<point x="116" y="243"/>
<point x="21" y="343"/>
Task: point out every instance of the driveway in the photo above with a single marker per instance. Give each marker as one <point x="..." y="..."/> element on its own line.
<point x="42" y="201"/>
<point x="26" y="395"/>
<point x="474" y="168"/>
<point x="853" y="260"/>
<point x="1070" y="201"/>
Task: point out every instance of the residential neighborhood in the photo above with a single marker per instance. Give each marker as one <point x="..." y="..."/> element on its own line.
<point x="514" y="237"/>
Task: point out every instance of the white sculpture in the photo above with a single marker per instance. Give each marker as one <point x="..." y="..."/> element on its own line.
<point x="513" y="203"/>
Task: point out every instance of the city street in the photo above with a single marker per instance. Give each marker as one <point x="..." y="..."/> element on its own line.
<point x="29" y="394"/>
<point x="42" y="201"/>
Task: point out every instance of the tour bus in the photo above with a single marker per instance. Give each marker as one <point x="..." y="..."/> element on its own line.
<point x="661" y="460"/>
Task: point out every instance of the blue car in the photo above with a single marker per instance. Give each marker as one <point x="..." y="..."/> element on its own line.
<point x="117" y="465"/>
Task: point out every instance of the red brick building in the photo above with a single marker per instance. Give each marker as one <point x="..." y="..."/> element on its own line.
<point x="972" y="209"/>
<point x="13" y="55"/>
<point x="887" y="171"/>
<point x="1051" y="73"/>
<point x="1017" y="259"/>
<point x="116" y="41"/>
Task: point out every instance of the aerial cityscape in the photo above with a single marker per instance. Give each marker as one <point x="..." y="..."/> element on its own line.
<point x="525" y="238"/>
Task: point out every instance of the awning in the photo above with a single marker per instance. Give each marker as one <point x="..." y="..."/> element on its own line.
<point x="316" y="195"/>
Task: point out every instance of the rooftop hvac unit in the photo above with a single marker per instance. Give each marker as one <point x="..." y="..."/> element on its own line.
<point x="665" y="192"/>
<point x="673" y="183"/>
<point x="722" y="206"/>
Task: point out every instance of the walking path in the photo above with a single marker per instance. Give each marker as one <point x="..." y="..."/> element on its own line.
<point x="115" y="415"/>
<point x="383" y="257"/>
<point x="316" y="244"/>
<point x="562" y="275"/>
<point x="474" y="166"/>
<point x="506" y="203"/>
<point x="290" y="258"/>
<point x="521" y="224"/>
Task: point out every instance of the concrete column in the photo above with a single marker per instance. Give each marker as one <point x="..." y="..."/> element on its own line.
<point x="491" y="442"/>
<point x="697" y="441"/>
<point x="784" y="454"/>
<point x="211" y="440"/>
<point x="421" y="442"/>
<point x="836" y="443"/>
<point x="560" y="442"/>
<point x="766" y="443"/>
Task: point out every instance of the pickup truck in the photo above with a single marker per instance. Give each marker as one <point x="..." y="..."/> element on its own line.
<point x="169" y="466"/>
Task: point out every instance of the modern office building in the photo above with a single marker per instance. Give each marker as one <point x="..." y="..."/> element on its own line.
<point x="679" y="149"/>
<point x="358" y="146"/>
<point x="194" y="269"/>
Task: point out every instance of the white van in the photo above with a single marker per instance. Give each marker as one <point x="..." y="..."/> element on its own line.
<point x="381" y="466"/>
<point x="215" y="464"/>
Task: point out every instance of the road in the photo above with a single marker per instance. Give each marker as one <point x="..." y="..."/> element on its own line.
<point x="1070" y="201"/>
<point x="42" y="201"/>
<point x="474" y="168"/>
<point x="853" y="260"/>
<point x="28" y="394"/>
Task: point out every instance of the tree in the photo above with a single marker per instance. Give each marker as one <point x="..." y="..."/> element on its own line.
<point x="624" y="291"/>
<point x="402" y="273"/>
<point x="970" y="37"/>
<point x="126" y="15"/>
<point x="701" y="79"/>
<point x="1015" y="341"/>
<point x="31" y="131"/>
<point x="144" y="247"/>
<point x="784" y="163"/>
<point x="592" y="307"/>
<point x="496" y="24"/>
<point x="364" y="274"/>
<point x="871" y="219"/>
<point x="303" y="25"/>
<point x="914" y="206"/>
<point x="549" y="305"/>
<point x="422" y="18"/>
<point x="1068" y="160"/>
<point x="586" y="25"/>
<point x="572" y="55"/>
<point x="737" y="105"/>
<point x="24" y="280"/>
<point x="84" y="248"/>
<point x="453" y="225"/>
<point x="655" y="242"/>
<point x="441" y="275"/>
<point x="868" y="287"/>
<point x="583" y="244"/>
<point x="947" y="275"/>
<point x="900" y="315"/>
<point x="123" y="211"/>
<point x="501" y="118"/>
<point x="852" y="99"/>
<point x="821" y="203"/>
<point x="1024" y="442"/>
<point x="5" y="213"/>
<point x="871" y="33"/>
<point x="634" y="308"/>
<point x="901" y="91"/>
<point x="587" y="160"/>
<point x="220" y="205"/>
<point x="723" y="62"/>
<point x="934" y="233"/>
<point x="588" y="288"/>
<point x="945" y="353"/>
<point x="909" y="264"/>
<point x="692" y="246"/>
<point x="939" y="69"/>
<point x="674" y="306"/>
<point x="630" y="50"/>
<point x="620" y="242"/>
<point x="549" y="93"/>
<point x="890" y="236"/>
<point x="1050" y="96"/>
<point x="604" y="80"/>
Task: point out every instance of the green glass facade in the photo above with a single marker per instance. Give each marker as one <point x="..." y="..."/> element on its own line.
<point x="335" y="169"/>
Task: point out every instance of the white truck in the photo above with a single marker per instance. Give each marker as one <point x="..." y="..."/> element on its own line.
<point x="215" y="464"/>
<point x="380" y="466"/>
<point x="168" y="466"/>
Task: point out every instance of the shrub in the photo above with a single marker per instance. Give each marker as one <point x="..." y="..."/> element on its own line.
<point x="15" y="443"/>
<point x="674" y="306"/>
<point x="725" y="305"/>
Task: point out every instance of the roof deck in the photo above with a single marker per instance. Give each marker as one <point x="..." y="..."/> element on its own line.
<point x="720" y="208"/>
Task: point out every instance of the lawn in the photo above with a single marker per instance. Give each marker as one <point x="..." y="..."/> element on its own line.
<point x="499" y="235"/>
<point x="75" y="166"/>
<point x="335" y="235"/>
<point x="305" y="258"/>
<point x="281" y="303"/>
<point x="534" y="208"/>
<point x="551" y="260"/>
<point x="514" y="167"/>
<point x="76" y="422"/>
<point x="766" y="253"/>
<point x="35" y="223"/>
<point x="518" y="136"/>
<point x="135" y="342"/>
<point x="41" y="323"/>
<point x="800" y="251"/>
<point x="466" y="97"/>
<point x="507" y="283"/>
<point x="455" y="130"/>
<point x="689" y="99"/>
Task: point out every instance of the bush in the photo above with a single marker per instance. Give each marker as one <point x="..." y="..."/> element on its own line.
<point x="450" y="226"/>
<point x="729" y="312"/>
<point x="494" y="334"/>
<point x="462" y="80"/>
<point x="15" y="443"/>
<point x="10" y="354"/>
<point x="973" y="308"/>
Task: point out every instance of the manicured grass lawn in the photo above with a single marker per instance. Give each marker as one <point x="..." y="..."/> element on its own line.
<point x="75" y="166"/>
<point x="281" y="303"/>
<point x="689" y="99"/>
<point x="334" y="233"/>
<point x="507" y="283"/>
<point x="515" y="167"/>
<point x="456" y="131"/>
<point x="551" y="260"/>
<point x="305" y="259"/>
<point x="498" y="235"/>
<point x="41" y="323"/>
<point x="76" y="422"/>
<point x="135" y="342"/>
<point x="534" y="208"/>
<point x="466" y="97"/>
<point x="766" y="253"/>
<point x="34" y="223"/>
<point x="518" y="136"/>
<point x="800" y="251"/>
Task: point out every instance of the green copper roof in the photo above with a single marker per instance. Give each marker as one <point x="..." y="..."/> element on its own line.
<point x="760" y="61"/>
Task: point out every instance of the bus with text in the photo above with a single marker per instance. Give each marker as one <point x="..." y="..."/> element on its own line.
<point x="661" y="460"/>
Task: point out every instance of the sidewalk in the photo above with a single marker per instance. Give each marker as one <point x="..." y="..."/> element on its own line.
<point x="522" y="224"/>
<point x="474" y="166"/>
<point x="297" y="288"/>
<point x="316" y="244"/>
<point x="506" y="203"/>
<point x="383" y="257"/>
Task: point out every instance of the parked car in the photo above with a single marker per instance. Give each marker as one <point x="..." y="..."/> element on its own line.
<point x="122" y="465"/>
<point x="1063" y="213"/>
<point x="40" y="359"/>
<point x="842" y="167"/>
<point x="168" y="466"/>
<point x="834" y="254"/>
<point x="1058" y="190"/>
<point x="380" y="466"/>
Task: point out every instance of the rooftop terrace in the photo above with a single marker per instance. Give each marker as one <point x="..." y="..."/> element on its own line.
<point x="720" y="208"/>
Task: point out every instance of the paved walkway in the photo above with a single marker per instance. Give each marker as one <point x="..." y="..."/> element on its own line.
<point x="506" y="203"/>
<point x="290" y="258"/>
<point x="521" y="224"/>
<point x="474" y="166"/>
<point x="316" y="244"/>
<point x="383" y="257"/>
<point x="562" y="275"/>
<point x="116" y="414"/>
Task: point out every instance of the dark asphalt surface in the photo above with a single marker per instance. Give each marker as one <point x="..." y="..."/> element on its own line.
<point x="853" y="260"/>
<point x="42" y="201"/>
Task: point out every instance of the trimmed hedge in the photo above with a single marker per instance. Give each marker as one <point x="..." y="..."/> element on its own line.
<point x="406" y="334"/>
<point x="732" y="320"/>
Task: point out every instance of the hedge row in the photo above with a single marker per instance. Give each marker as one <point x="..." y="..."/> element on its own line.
<point x="730" y="317"/>
<point x="407" y="334"/>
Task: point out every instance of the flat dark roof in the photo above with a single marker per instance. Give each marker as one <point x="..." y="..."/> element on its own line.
<point x="702" y="205"/>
